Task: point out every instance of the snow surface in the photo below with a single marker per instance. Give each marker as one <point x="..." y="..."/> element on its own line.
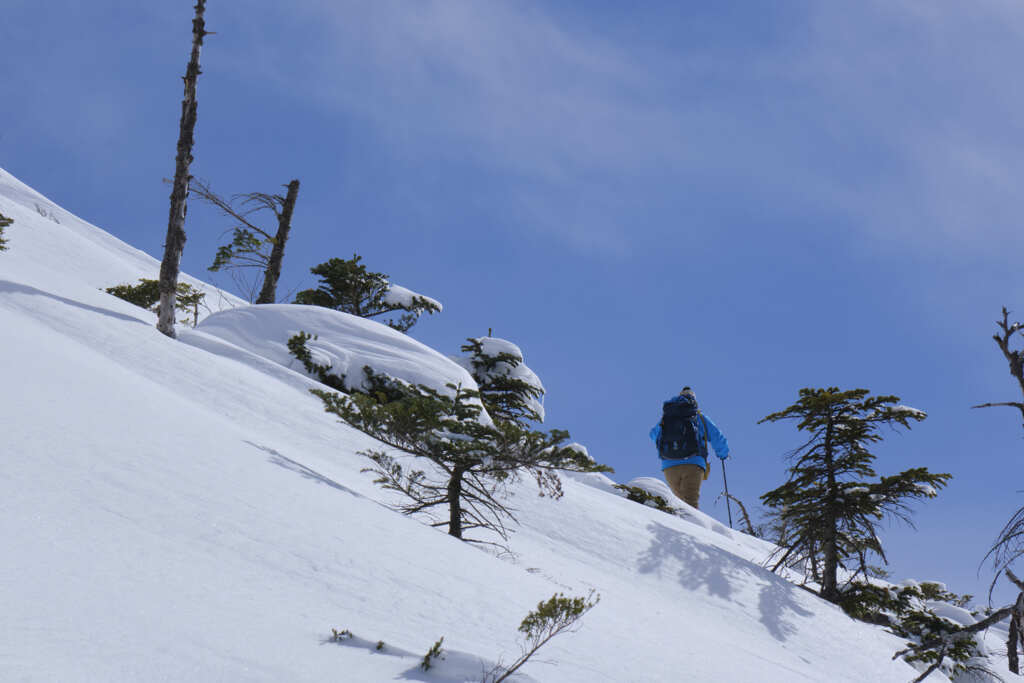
<point x="185" y="510"/>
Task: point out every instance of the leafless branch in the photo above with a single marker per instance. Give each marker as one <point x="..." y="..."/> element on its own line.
<point x="201" y="189"/>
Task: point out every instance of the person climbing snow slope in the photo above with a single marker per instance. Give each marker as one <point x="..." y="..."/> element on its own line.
<point x="682" y="438"/>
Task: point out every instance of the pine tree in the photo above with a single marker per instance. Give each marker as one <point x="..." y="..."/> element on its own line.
<point x="832" y="505"/>
<point x="346" y="285"/>
<point x="509" y="390"/>
<point x="4" y="222"/>
<point x="251" y="246"/>
<point x="472" y="459"/>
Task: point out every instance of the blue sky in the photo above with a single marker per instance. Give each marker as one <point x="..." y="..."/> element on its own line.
<point x="748" y="198"/>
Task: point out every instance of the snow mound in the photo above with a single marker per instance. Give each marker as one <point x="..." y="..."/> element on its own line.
<point x="657" y="487"/>
<point x="345" y="343"/>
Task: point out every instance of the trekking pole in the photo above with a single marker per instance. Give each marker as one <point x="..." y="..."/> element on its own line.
<point x="725" y="482"/>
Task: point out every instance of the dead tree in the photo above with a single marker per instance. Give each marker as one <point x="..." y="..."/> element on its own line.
<point x="1009" y="545"/>
<point x="1014" y="358"/>
<point x="751" y="531"/>
<point x="284" y="225"/>
<point x="175" y="242"/>
<point x="251" y="246"/>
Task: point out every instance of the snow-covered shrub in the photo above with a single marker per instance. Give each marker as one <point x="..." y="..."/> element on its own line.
<point x="297" y="347"/>
<point x="381" y="387"/>
<point x="4" y="222"/>
<point x="146" y="295"/>
<point x="639" y="495"/>
<point x="347" y="286"/>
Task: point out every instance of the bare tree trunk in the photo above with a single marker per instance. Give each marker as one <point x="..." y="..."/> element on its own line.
<point x="455" y="503"/>
<point x="284" y="224"/>
<point x="830" y="550"/>
<point x="175" y="243"/>
<point x="1016" y="636"/>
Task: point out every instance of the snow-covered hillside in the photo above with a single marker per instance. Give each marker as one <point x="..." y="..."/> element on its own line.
<point x="185" y="510"/>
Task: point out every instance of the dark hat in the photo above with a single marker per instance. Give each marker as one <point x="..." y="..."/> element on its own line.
<point x="687" y="391"/>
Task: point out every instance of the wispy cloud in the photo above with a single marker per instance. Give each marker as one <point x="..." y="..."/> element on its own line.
<point x="897" y="118"/>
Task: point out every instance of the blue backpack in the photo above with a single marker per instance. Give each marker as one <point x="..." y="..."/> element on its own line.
<point x="680" y="434"/>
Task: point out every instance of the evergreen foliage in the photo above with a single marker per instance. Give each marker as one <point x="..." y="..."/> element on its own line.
<point x="381" y="388"/>
<point x="909" y="611"/>
<point x="639" y="495"/>
<point x="346" y="285"/>
<point x="508" y="390"/>
<point x="472" y="460"/>
<point x="433" y="653"/>
<point x="831" y="505"/>
<point x="554" y="616"/>
<point x="297" y="347"/>
<point x="146" y="295"/>
<point x="244" y="250"/>
<point x="4" y="222"/>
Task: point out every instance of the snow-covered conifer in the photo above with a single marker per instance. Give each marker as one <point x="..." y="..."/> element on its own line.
<point x="509" y="389"/>
<point x="473" y="458"/>
<point x="346" y="285"/>
<point x="832" y="504"/>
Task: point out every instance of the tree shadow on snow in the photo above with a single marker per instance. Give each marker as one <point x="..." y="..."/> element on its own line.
<point x="700" y="565"/>
<point x="452" y="666"/>
<point x="8" y="287"/>
<point x="705" y="566"/>
<point x="778" y="596"/>
<point x="289" y="464"/>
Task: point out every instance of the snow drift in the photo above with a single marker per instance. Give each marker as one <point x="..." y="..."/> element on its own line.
<point x="169" y="513"/>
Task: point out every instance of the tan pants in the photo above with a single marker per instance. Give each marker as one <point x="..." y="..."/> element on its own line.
<point x="685" y="481"/>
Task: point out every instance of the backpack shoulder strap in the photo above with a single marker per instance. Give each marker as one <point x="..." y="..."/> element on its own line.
<point x="704" y="423"/>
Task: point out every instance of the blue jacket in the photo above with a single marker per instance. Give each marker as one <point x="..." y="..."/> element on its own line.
<point x="714" y="437"/>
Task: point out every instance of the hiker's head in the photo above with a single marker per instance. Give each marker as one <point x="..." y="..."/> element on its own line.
<point x="687" y="391"/>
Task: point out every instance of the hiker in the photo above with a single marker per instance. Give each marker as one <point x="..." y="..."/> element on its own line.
<point x="682" y="438"/>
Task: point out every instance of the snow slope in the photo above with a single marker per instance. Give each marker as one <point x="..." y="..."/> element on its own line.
<point x="185" y="510"/>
